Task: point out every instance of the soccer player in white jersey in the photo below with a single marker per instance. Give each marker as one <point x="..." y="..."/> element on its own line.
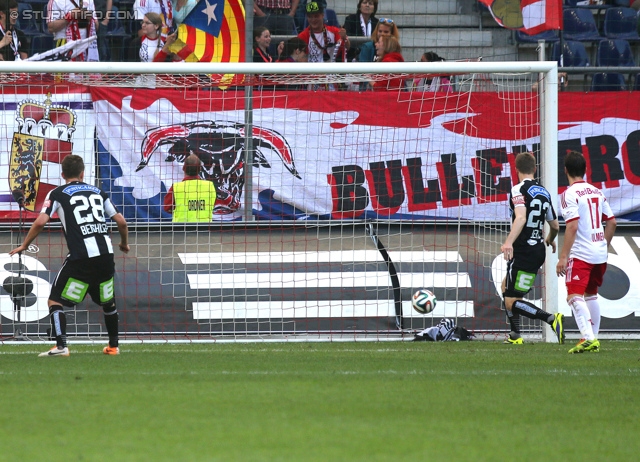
<point x="590" y="226"/>
<point x="524" y="248"/>
<point x="89" y="267"/>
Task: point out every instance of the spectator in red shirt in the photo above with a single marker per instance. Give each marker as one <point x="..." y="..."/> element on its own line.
<point x="324" y="43"/>
<point x="388" y="50"/>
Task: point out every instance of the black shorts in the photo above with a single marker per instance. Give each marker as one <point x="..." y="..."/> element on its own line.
<point x="77" y="278"/>
<point x="522" y="270"/>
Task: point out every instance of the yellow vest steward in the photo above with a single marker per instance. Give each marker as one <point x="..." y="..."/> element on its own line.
<point x="194" y="200"/>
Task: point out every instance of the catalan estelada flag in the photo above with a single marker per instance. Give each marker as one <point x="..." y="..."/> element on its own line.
<point x="212" y="32"/>
<point x="528" y="16"/>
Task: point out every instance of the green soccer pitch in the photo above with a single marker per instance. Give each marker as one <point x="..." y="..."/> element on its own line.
<point x="369" y="401"/>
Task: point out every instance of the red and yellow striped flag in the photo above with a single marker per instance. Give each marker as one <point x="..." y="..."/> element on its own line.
<point x="212" y="32"/>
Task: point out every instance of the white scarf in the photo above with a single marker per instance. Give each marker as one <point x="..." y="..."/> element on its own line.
<point x="14" y="43"/>
<point x="366" y="28"/>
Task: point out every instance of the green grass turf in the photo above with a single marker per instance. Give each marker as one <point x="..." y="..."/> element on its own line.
<point x="385" y="401"/>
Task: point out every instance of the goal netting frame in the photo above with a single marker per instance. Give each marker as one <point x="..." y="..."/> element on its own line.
<point x="373" y="248"/>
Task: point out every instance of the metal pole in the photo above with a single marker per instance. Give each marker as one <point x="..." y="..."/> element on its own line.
<point x="248" y="115"/>
<point x="548" y="97"/>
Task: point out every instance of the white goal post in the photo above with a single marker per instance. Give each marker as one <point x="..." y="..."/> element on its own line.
<point x="337" y="265"/>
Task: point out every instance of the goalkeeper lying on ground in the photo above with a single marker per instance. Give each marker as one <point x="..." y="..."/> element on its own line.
<point x="445" y="330"/>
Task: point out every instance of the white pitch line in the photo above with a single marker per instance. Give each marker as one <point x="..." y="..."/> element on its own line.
<point x="302" y="280"/>
<point x="309" y="309"/>
<point x="344" y="256"/>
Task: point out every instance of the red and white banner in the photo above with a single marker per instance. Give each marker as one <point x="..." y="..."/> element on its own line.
<point x="342" y="155"/>
<point x="529" y="16"/>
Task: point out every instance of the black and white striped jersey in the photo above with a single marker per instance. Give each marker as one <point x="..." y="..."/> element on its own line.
<point x="83" y="210"/>
<point x="537" y="200"/>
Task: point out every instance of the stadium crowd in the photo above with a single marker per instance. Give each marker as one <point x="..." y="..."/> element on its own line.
<point x="122" y="33"/>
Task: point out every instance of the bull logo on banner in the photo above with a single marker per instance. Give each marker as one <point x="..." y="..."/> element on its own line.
<point x="44" y="134"/>
<point x="220" y="146"/>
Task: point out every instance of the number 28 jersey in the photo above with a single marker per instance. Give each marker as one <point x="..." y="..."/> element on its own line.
<point x="82" y="209"/>
<point x="537" y="200"/>
<point x="586" y="203"/>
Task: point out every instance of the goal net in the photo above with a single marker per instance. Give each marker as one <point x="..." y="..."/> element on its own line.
<point x="334" y="202"/>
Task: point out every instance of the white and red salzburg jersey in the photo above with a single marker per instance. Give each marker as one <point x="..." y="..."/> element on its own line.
<point x="586" y="203"/>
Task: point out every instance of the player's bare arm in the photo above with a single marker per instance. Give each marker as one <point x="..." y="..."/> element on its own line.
<point x="124" y="232"/>
<point x="516" y="228"/>
<point x="610" y="229"/>
<point x="570" y="234"/>
<point x="554" y="229"/>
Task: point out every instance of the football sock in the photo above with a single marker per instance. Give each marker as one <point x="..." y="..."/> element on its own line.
<point x="594" y="308"/>
<point x="111" y="322"/>
<point x="582" y="316"/>
<point x="58" y="325"/>
<point x="514" y="322"/>
<point x="531" y="311"/>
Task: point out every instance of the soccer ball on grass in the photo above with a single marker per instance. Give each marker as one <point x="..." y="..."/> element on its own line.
<point x="424" y="301"/>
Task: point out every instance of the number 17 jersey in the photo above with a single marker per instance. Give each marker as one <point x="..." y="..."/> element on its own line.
<point x="586" y="203"/>
<point x="82" y="209"/>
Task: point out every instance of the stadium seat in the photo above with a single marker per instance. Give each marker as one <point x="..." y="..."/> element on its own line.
<point x="331" y="18"/>
<point x="117" y="25"/>
<point x="579" y="24"/>
<point x="41" y="43"/>
<point x="28" y="20"/>
<point x="621" y="23"/>
<point x="117" y="35"/>
<point x="549" y="36"/>
<point x="574" y="54"/>
<point x="608" y="82"/>
<point x="614" y="53"/>
<point x="596" y="6"/>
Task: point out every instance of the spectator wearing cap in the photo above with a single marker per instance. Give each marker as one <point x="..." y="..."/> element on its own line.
<point x="276" y="15"/>
<point x="324" y="43"/>
<point x="301" y="12"/>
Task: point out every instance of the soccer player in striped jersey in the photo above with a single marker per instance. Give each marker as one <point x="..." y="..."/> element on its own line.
<point x="89" y="268"/>
<point x="524" y="249"/>
<point x="590" y="226"/>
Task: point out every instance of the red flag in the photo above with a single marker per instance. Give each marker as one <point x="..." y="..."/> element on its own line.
<point x="529" y="16"/>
